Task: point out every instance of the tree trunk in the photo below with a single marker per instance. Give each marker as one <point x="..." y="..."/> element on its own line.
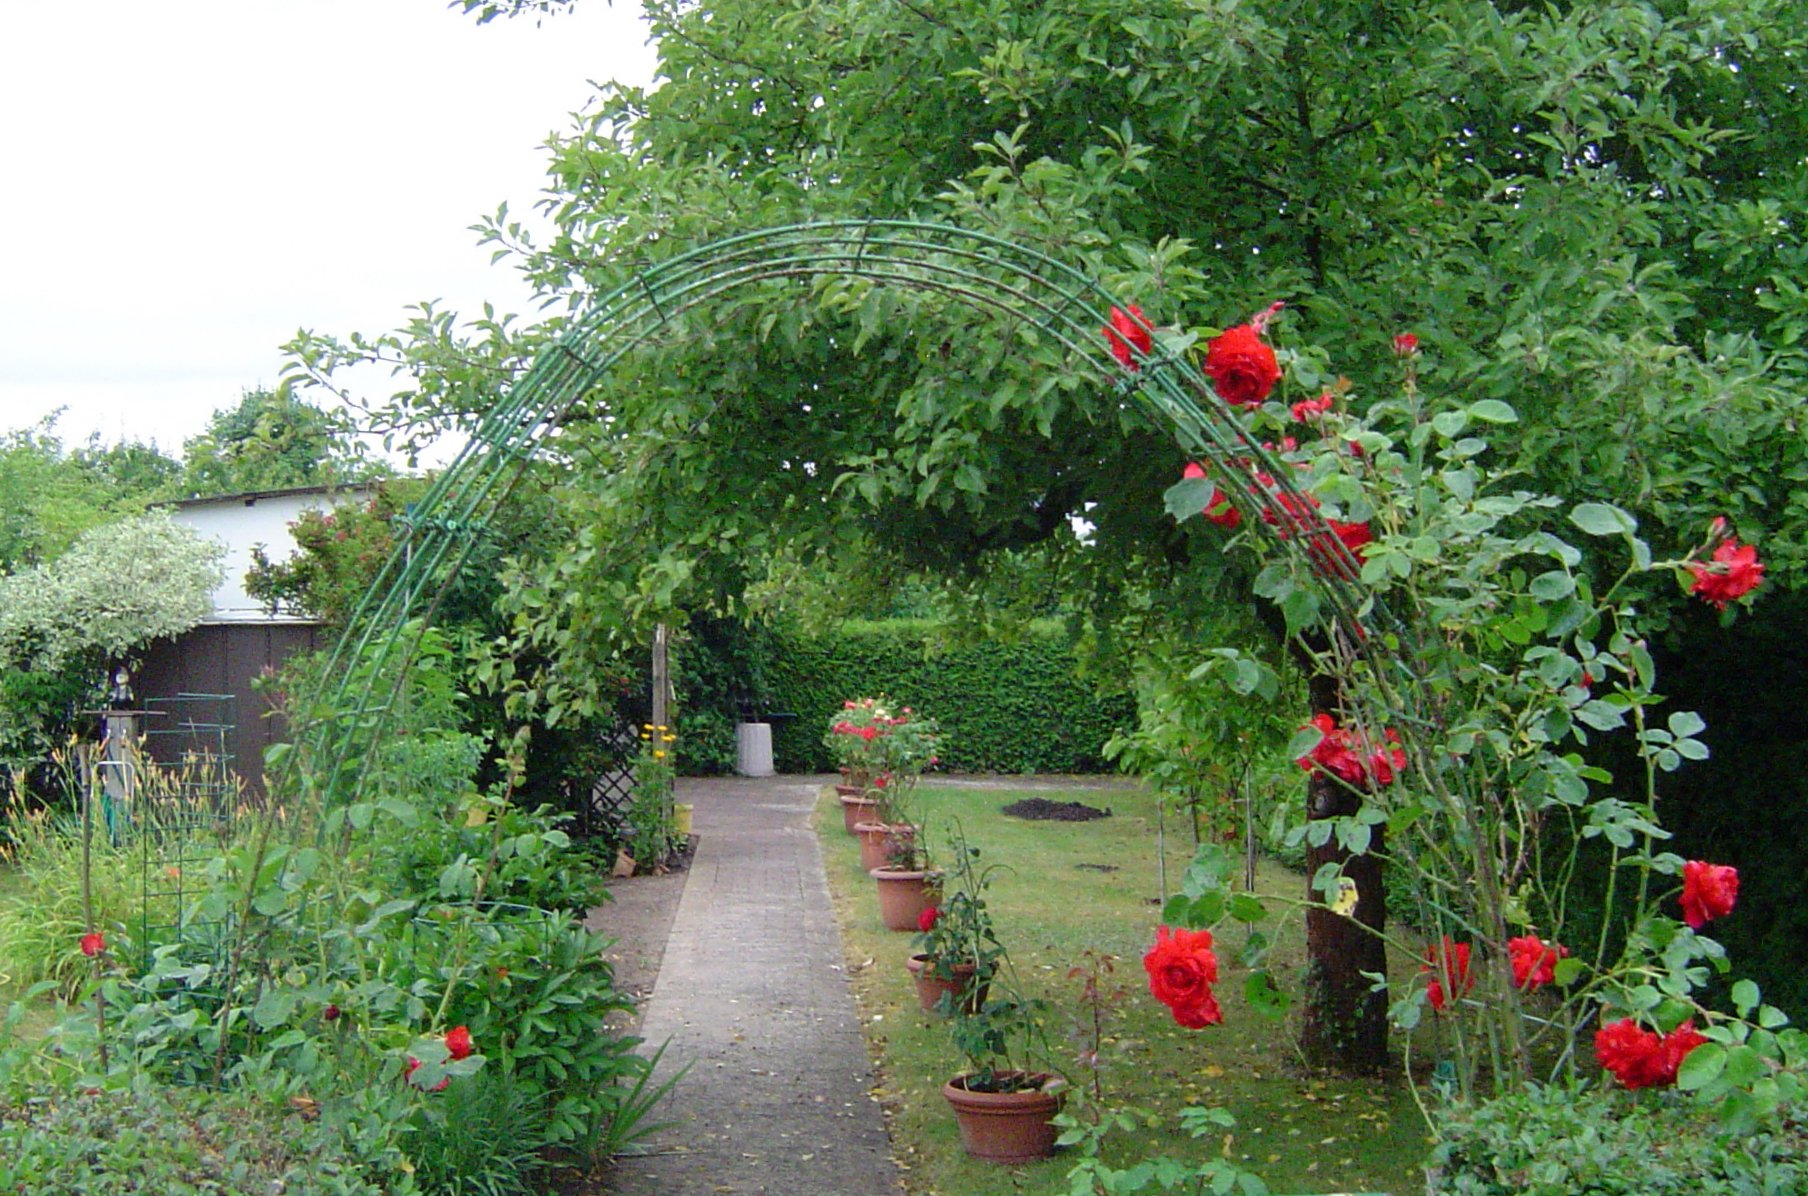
<point x="1345" y="1022"/>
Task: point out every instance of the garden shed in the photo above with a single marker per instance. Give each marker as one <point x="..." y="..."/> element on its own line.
<point x="198" y="686"/>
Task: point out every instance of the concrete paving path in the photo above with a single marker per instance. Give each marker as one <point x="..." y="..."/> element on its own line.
<point x="752" y="991"/>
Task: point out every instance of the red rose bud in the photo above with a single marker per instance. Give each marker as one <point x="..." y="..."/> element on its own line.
<point x="331" y="1013"/>
<point x="928" y="918"/>
<point x="93" y="944"/>
<point x="1307" y="410"/>
<point x="458" y="1042"/>
<point x="1406" y="345"/>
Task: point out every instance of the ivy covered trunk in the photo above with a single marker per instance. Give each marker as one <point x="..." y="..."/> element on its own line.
<point x="1345" y="1022"/>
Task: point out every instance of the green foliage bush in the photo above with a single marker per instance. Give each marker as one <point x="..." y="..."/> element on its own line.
<point x="1015" y="707"/>
<point x="171" y="1142"/>
<point x="1556" y="1142"/>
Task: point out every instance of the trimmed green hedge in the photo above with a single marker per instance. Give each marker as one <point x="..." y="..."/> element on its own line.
<point x="1003" y="707"/>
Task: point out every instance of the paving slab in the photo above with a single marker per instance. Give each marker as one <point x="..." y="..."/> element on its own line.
<point x="753" y="992"/>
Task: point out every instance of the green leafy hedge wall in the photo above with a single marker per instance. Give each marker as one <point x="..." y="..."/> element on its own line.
<point x="1016" y="707"/>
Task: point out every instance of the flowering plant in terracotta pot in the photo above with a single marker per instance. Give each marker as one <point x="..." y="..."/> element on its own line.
<point x="877" y="744"/>
<point x="853" y="736"/>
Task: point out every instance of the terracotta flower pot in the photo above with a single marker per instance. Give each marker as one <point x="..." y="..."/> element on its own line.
<point x="903" y="895"/>
<point x="856" y="810"/>
<point x="930" y="987"/>
<point x="878" y="840"/>
<point x="1005" y="1127"/>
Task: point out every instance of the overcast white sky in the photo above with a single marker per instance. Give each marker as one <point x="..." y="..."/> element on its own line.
<point x="184" y="185"/>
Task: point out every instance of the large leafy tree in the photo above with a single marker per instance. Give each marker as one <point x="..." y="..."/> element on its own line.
<point x="272" y="440"/>
<point x="50" y="493"/>
<point x="1594" y="211"/>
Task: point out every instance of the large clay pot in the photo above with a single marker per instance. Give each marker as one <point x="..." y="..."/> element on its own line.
<point x="961" y="990"/>
<point x="856" y="810"/>
<point x="1005" y="1127"/>
<point x="879" y="841"/>
<point x="903" y="895"/>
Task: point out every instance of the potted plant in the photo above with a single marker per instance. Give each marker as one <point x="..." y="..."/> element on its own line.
<point x="957" y="948"/>
<point x="1005" y="1105"/>
<point x="907" y="884"/>
<point x="853" y="739"/>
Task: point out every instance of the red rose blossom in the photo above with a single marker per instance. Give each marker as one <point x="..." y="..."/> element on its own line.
<point x="1182" y="970"/>
<point x="1641" y="1058"/>
<point x="1448" y="965"/>
<point x="928" y="918"/>
<point x="1128" y="336"/>
<point x="1708" y="892"/>
<point x="1217" y="508"/>
<point x="93" y="944"/>
<point x="1534" y="961"/>
<point x="1677" y="1045"/>
<point x="458" y="1042"/>
<point x="1735" y="573"/>
<point x="1406" y="345"/>
<point x="1353" y="756"/>
<point x="1331" y="563"/>
<point x="1242" y="367"/>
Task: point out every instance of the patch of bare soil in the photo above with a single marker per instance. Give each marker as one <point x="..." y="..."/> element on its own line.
<point x="1040" y="809"/>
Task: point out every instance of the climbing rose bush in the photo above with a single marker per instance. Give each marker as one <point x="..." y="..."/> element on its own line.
<point x="1182" y="970"/>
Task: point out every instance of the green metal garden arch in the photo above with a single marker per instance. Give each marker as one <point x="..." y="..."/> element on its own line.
<point x="975" y="269"/>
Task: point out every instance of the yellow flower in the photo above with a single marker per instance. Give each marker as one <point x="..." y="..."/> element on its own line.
<point x="668" y="738"/>
<point x="658" y="755"/>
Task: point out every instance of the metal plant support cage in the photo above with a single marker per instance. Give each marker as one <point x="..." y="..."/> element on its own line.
<point x="995" y="276"/>
<point x="172" y="798"/>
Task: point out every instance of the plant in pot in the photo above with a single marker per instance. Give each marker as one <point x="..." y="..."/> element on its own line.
<point x="908" y="885"/>
<point x="1004" y="1104"/>
<point x="854" y="739"/>
<point x="957" y="948"/>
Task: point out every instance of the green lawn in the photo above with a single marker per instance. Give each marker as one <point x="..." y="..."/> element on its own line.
<point x="1073" y="886"/>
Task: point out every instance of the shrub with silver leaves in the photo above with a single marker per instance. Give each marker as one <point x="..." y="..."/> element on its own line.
<point x="120" y="585"/>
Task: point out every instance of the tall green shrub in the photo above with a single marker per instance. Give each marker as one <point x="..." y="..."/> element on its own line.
<point x="1003" y="707"/>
